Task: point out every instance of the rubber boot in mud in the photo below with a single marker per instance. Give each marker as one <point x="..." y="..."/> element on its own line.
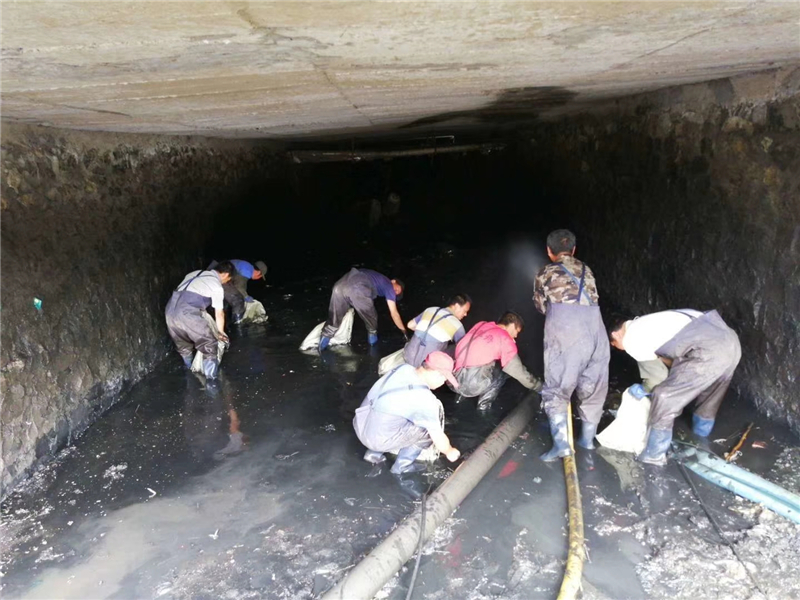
<point x="374" y="457"/>
<point x="588" y="431"/>
<point x="486" y="399"/>
<point x="560" y="432"/>
<point x="210" y="368"/>
<point x="406" y="461"/>
<point x="655" y="453"/>
<point x="702" y="427"/>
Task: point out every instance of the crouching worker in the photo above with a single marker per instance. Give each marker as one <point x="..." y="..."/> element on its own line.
<point x="189" y="325"/>
<point x="401" y="414"/>
<point x="358" y="289"/>
<point x="236" y="289"/>
<point x="683" y="355"/>
<point x="435" y="328"/>
<point x="478" y="354"/>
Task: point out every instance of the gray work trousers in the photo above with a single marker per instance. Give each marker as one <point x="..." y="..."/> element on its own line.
<point x="382" y="432"/>
<point x="353" y="290"/>
<point x="235" y="293"/>
<point x="576" y="355"/>
<point x="484" y="382"/>
<point x="188" y="328"/>
<point x="417" y="349"/>
<point x="704" y="356"/>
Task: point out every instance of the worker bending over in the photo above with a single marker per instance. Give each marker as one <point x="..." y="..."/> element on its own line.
<point x="358" y="289"/>
<point x="236" y="289"/>
<point x="683" y="355"/>
<point x="188" y="322"/>
<point x="576" y="351"/>
<point x="400" y="413"/>
<point x="434" y="328"/>
<point x="478" y="354"/>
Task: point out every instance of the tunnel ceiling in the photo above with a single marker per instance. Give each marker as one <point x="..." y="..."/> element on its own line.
<point x="307" y="69"/>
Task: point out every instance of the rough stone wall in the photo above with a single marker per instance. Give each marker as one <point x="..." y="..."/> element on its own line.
<point x="691" y="198"/>
<point x="100" y="228"/>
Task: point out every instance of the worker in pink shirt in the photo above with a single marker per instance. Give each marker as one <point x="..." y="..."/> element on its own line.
<point x="487" y="356"/>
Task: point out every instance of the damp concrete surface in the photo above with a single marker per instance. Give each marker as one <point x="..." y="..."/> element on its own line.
<point x="257" y="489"/>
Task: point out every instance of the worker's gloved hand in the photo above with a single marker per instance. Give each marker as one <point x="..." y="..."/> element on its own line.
<point x="249" y="299"/>
<point x="637" y="391"/>
<point x="453" y="455"/>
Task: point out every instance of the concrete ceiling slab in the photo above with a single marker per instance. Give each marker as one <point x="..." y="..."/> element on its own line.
<point x="300" y="69"/>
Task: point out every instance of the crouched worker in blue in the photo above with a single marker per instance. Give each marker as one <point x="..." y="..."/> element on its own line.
<point x="236" y="289"/>
<point x="683" y="355"/>
<point x="434" y="329"/>
<point x="576" y="351"/>
<point x="401" y="414"/>
<point x="188" y="321"/>
<point x="358" y="289"/>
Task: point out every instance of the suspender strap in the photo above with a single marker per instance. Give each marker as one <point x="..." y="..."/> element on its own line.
<point x="403" y="388"/>
<point x="178" y="289"/>
<point x="431" y="323"/>
<point x="684" y="313"/>
<point x="469" y="343"/>
<point x="579" y="283"/>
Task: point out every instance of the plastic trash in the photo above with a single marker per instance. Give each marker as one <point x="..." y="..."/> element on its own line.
<point x="387" y="363"/>
<point x="197" y="362"/>
<point x="37" y="304"/>
<point x="628" y="432"/>
<point x="342" y="337"/>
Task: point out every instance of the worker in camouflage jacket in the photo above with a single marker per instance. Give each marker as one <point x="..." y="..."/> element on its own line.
<point x="576" y="351"/>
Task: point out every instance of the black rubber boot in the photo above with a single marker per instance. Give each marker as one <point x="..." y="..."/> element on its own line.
<point x="560" y="432"/>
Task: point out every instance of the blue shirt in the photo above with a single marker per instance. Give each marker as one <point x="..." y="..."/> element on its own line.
<point x="383" y="285"/>
<point x="244" y="268"/>
<point x="417" y="405"/>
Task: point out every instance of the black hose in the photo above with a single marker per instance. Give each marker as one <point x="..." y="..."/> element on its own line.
<point x="717" y="527"/>
<point x="419" y="547"/>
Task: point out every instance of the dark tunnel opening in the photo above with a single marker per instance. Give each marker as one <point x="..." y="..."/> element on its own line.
<point x="264" y="473"/>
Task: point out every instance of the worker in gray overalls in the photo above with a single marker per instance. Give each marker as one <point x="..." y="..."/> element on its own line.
<point x="576" y="351"/>
<point x="187" y="324"/>
<point x="683" y="355"/>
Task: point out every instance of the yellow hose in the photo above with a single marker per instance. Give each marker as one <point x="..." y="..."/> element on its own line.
<point x="573" y="572"/>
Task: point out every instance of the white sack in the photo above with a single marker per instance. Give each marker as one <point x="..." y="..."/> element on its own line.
<point x="628" y="432"/>
<point x="254" y="312"/>
<point x="387" y="363"/>
<point x="342" y="337"/>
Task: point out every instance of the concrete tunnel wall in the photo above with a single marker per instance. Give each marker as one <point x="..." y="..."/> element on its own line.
<point x="684" y="197"/>
<point x="101" y="228"/>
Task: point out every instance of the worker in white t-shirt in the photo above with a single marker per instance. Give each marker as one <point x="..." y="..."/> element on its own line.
<point x="683" y="355"/>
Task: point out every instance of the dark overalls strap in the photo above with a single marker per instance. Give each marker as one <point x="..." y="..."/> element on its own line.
<point x="684" y="313"/>
<point x="431" y="323"/>
<point x="188" y="283"/>
<point x="579" y="283"/>
<point x="469" y="343"/>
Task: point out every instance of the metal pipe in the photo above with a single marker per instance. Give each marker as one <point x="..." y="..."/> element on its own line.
<point x="315" y="156"/>
<point x="380" y="565"/>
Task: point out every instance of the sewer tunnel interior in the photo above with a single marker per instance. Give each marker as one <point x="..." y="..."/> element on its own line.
<point x="124" y="477"/>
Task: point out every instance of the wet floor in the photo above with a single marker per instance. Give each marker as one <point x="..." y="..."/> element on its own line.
<point x="257" y="489"/>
